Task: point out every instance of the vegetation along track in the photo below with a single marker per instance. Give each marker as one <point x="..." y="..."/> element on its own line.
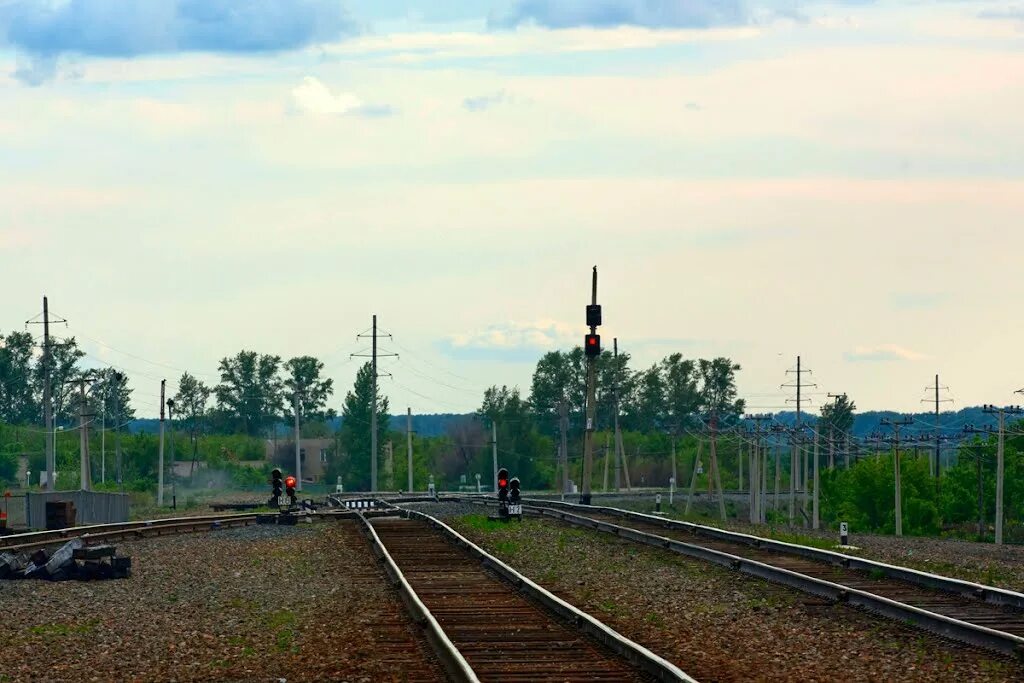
<point x="978" y="615"/>
<point x="487" y="622"/>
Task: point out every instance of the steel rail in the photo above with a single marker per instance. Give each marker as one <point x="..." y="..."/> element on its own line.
<point x="956" y="629"/>
<point x="966" y="589"/>
<point x="452" y="660"/>
<point x="633" y="652"/>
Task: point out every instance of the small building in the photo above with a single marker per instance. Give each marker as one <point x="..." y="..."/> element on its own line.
<point x="314" y="455"/>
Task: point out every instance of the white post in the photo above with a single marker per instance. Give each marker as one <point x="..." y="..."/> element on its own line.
<point x="160" y="463"/>
<point x="298" y="433"/>
<point x="898" y="486"/>
<point x="671" y="489"/>
<point x="999" y="477"/>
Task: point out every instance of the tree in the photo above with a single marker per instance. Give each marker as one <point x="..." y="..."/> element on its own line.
<point x="249" y="393"/>
<point x="18" y="401"/>
<point x="646" y="411"/>
<point x="682" y="397"/>
<point x="355" y="431"/>
<point x="718" y="388"/>
<point x="837" y="416"/>
<point x="559" y="375"/>
<point x="304" y="376"/>
<point x="111" y="396"/>
<point x="64" y="374"/>
<point x="191" y="399"/>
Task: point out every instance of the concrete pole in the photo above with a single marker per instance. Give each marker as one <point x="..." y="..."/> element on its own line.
<point x="999" y="476"/>
<point x="898" y="486"/>
<point x="674" y="475"/>
<point x="563" y="453"/>
<point x="817" y="483"/>
<point x="607" y="457"/>
<point x="373" y="412"/>
<point x="793" y="474"/>
<point x="739" y="461"/>
<point x="715" y="468"/>
<point x="83" y="439"/>
<point x="846" y="453"/>
<point x="51" y="458"/>
<point x="762" y="504"/>
<point x="625" y="462"/>
<point x="298" y="441"/>
<point x="103" y="436"/>
<point x="778" y="477"/>
<point x="408" y="446"/>
<point x="693" y="477"/>
<point x="160" y="462"/>
<point x="494" y="452"/>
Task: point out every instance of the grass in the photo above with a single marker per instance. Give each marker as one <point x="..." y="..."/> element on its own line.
<point x="61" y="629"/>
<point x="482" y="523"/>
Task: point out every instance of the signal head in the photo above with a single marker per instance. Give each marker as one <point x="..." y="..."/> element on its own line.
<point x="592" y="345"/>
<point x="276" y="473"/>
<point x="514" y="489"/>
<point x="290" y="481"/>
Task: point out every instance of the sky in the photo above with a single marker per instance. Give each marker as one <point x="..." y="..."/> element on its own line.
<point x="842" y="181"/>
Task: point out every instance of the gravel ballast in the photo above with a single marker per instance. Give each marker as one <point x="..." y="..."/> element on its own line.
<point x="253" y="603"/>
<point x="722" y="626"/>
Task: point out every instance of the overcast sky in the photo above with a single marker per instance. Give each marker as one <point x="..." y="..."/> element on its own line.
<point x="844" y="181"/>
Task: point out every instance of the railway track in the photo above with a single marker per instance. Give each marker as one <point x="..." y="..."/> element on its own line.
<point x="487" y="622"/>
<point x="104" y="533"/>
<point x="977" y="615"/>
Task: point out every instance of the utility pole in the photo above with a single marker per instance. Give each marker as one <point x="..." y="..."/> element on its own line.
<point x="298" y="440"/>
<point x="898" y="485"/>
<point x="592" y="350"/>
<point x="170" y="441"/>
<point x="971" y="429"/>
<point x="103" y="435"/>
<point x="756" y="474"/>
<point x="119" y="378"/>
<point x="494" y="452"/>
<point x="374" y="452"/>
<point x="620" y="452"/>
<point x="47" y="363"/>
<point x="816" y="523"/>
<point x="85" y="476"/>
<point x="1000" y="454"/>
<point x="160" y="464"/>
<point x="693" y="476"/>
<point x="563" y="449"/>
<point x="831" y="433"/>
<point x="794" y="473"/>
<point x="936" y="467"/>
<point x="408" y="444"/>
<point x="607" y="457"/>
<point x="715" y="470"/>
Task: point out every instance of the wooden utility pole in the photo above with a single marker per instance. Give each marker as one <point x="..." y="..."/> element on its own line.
<point x="897" y="485"/>
<point x="592" y="349"/>
<point x="620" y="453"/>
<point x="936" y="466"/>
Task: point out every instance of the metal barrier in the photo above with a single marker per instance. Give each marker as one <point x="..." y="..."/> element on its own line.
<point x="91" y="507"/>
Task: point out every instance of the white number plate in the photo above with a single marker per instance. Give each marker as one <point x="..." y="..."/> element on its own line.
<point x="515" y="509"/>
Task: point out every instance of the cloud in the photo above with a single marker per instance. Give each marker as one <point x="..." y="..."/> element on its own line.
<point x="313" y="97"/>
<point x="919" y="300"/>
<point x="882" y="352"/>
<point x="610" y="13"/>
<point x="484" y="102"/>
<point x="512" y="340"/>
<point x="127" y="28"/>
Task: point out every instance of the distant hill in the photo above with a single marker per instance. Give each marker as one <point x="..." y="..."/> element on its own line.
<point x="422" y="425"/>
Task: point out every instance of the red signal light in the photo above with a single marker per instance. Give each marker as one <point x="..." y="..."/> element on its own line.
<point x="503" y="482"/>
<point x="592" y="345"/>
<point x="289" y="481"/>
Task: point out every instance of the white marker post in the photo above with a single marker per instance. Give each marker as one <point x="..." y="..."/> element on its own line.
<point x="478" y="488"/>
<point x="671" y="489"/>
<point x="844" y="533"/>
<point x="430" y="487"/>
<point x="657" y="502"/>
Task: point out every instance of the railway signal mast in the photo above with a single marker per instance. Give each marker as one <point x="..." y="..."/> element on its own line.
<point x="592" y="350"/>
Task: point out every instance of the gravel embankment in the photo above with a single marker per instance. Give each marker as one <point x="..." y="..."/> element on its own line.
<point x="985" y="563"/>
<point x="721" y="626"/>
<point x="259" y="603"/>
